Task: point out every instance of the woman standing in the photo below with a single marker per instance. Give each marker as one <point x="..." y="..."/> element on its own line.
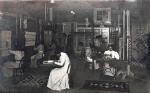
<point x="59" y="79"/>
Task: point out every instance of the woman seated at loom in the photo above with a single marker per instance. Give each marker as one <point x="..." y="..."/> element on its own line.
<point x="109" y="56"/>
<point x="38" y="55"/>
<point x="90" y="60"/>
<point x="59" y="77"/>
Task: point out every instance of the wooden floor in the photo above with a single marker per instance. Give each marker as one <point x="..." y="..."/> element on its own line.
<point x="35" y="80"/>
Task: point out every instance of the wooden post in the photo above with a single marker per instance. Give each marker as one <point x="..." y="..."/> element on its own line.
<point x="45" y="9"/>
<point x="129" y="42"/>
<point x="16" y="32"/>
<point x="124" y="25"/>
<point x="51" y="14"/>
<point x="128" y="32"/>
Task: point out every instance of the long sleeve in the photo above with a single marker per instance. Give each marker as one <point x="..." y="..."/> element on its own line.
<point x="116" y="55"/>
<point x="61" y="61"/>
<point x="12" y="52"/>
<point x="18" y="54"/>
<point x="89" y="59"/>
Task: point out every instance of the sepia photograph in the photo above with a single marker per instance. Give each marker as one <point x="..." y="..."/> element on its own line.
<point x="74" y="46"/>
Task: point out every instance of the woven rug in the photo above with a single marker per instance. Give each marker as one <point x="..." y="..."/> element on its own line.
<point x="34" y="78"/>
<point x="106" y="85"/>
<point x="30" y="79"/>
<point x="33" y="81"/>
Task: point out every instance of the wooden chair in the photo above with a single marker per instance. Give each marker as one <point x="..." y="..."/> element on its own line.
<point x="19" y="71"/>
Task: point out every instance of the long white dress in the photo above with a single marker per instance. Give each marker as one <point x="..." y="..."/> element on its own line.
<point x="58" y="79"/>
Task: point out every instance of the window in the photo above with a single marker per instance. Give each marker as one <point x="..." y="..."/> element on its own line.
<point x="102" y="15"/>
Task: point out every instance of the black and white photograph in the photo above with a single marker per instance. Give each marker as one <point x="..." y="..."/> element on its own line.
<point x="74" y="46"/>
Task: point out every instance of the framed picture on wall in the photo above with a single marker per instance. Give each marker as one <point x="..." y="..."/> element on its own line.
<point x="102" y="15"/>
<point x="30" y="38"/>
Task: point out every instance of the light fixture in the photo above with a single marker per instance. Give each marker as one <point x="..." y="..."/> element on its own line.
<point x="52" y="1"/>
<point x="72" y="12"/>
<point x="1" y="13"/>
<point x="130" y="0"/>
